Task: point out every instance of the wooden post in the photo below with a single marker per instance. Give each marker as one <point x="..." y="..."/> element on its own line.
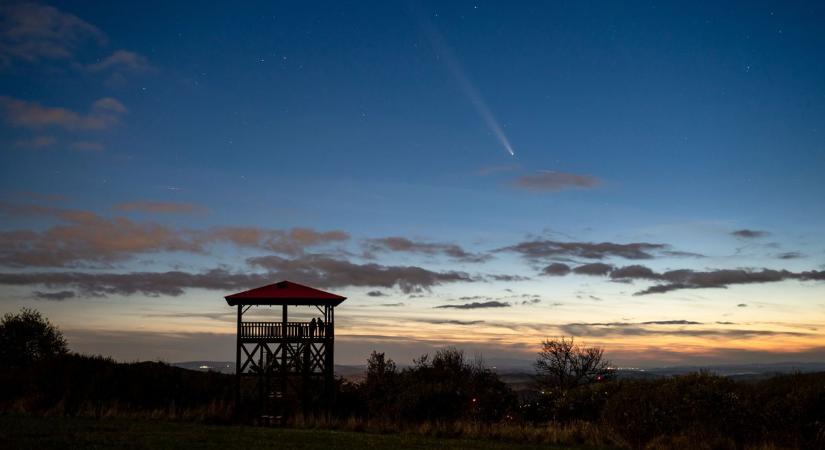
<point x="238" y="361"/>
<point x="284" y="345"/>
<point x="329" y="356"/>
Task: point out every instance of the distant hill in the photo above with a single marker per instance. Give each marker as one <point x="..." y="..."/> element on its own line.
<point x="348" y="372"/>
<point x="520" y="372"/>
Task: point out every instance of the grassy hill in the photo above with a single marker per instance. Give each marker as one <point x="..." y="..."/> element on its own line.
<point x="62" y="433"/>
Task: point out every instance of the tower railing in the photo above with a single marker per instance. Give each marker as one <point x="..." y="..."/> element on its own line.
<point x="275" y="330"/>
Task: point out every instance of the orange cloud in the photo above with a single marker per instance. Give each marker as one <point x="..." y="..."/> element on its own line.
<point x="85" y="237"/>
<point x="104" y="113"/>
<point x="159" y="207"/>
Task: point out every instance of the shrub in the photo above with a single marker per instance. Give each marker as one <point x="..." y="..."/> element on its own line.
<point x="449" y="388"/>
<point x="702" y="405"/>
<point x="27" y="337"/>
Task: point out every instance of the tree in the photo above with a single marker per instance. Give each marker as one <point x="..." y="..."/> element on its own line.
<point x="380" y="368"/>
<point x="562" y="365"/>
<point x="381" y="385"/>
<point x="27" y="337"/>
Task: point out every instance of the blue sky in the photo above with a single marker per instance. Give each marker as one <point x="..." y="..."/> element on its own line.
<point x="669" y="124"/>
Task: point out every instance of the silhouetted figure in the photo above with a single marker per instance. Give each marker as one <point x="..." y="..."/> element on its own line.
<point x="312" y="326"/>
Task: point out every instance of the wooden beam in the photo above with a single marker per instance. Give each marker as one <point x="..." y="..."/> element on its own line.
<point x="284" y="348"/>
<point x="238" y="369"/>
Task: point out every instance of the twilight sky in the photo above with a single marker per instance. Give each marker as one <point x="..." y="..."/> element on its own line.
<point x="665" y="198"/>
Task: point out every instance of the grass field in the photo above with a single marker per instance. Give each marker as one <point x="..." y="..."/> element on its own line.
<point x="52" y="433"/>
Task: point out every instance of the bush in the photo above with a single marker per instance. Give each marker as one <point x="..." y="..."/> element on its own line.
<point x="27" y="337"/>
<point x="704" y="405"/>
<point x="790" y="409"/>
<point x="449" y="388"/>
<point x="581" y="403"/>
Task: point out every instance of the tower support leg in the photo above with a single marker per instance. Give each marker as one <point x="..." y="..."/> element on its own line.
<point x="238" y="361"/>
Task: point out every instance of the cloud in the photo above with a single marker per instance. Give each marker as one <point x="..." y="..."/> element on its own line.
<point x="290" y="242"/>
<point x="104" y="113"/>
<point x="790" y="255"/>
<point x="722" y="278"/>
<point x="451" y="322"/>
<point x="401" y="244"/>
<point x="634" y="272"/>
<point x="35" y="142"/>
<point x="171" y="283"/>
<point x="323" y="271"/>
<point x="84" y="237"/>
<point x="501" y="277"/>
<point x="120" y="65"/>
<point x="671" y="322"/>
<point x="219" y="316"/>
<point x="493" y="302"/>
<point x="391" y="304"/>
<point x="477" y="305"/>
<point x="681" y="254"/>
<point x="543" y="249"/>
<point x="123" y="61"/>
<point x="548" y="181"/>
<point x="376" y="294"/>
<point x="690" y="279"/>
<point x="749" y="234"/>
<point x="644" y="329"/>
<point x="556" y="269"/>
<point x="158" y="207"/>
<point x="60" y="295"/>
<point x="593" y="269"/>
<point x="630" y="324"/>
<point x="33" y="33"/>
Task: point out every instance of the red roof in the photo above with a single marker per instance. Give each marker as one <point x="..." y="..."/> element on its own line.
<point x="284" y="293"/>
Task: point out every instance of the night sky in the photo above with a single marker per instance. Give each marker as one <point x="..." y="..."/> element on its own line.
<point x="646" y="177"/>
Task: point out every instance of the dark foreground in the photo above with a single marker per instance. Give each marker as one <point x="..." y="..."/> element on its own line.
<point x="430" y="401"/>
<point x="62" y="433"/>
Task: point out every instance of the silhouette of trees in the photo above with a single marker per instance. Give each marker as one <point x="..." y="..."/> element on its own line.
<point x="27" y="337"/>
<point x="442" y="387"/>
<point x="380" y="387"/>
<point x="562" y="365"/>
<point x="448" y="387"/>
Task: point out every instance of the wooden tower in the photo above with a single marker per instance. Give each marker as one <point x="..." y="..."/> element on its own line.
<point x="284" y="360"/>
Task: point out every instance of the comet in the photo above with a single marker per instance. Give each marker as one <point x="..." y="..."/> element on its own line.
<point x="465" y="85"/>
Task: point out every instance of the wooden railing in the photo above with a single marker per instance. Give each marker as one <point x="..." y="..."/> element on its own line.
<point x="298" y="330"/>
